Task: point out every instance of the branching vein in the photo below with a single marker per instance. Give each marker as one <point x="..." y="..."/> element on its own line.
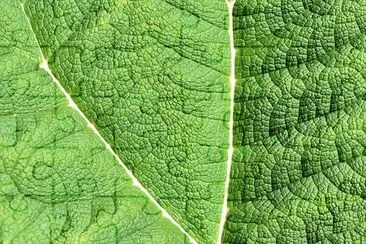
<point x="72" y="104"/>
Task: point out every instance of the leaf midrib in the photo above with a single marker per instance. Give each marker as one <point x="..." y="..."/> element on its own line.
<point x="225" y="209"/>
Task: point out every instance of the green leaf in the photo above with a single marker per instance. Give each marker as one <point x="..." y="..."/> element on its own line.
<point x="146" y="121"/>
<point x="151" y="76"/>
<point x="58" y="181"/>
<point x="298" y="173"/>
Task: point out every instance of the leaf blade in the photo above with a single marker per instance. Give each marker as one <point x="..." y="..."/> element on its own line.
<point x="58" y="181"/>
<point x="299" y="110"/>
<point x="153" y="77"/>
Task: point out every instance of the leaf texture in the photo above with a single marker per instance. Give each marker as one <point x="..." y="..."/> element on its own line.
<point x="153" y="78"/>
<point x="58" y="183"/>
<point x="298" y="172"/>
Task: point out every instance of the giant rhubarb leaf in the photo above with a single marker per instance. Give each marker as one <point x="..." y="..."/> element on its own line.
<point x="137" y="122"/>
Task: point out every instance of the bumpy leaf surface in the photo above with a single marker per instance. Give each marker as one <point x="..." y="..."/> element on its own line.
<point x="58" y="183"/>
<point x="153" y="77"/>
<point x="298" y="173"/>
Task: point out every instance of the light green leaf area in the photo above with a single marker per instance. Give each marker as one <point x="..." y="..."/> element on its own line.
<point x="152" y="76"/>
<point x="58" y="183"/>
<point x="299" y="169"/>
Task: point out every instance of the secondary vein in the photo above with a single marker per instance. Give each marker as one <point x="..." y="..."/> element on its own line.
<point x="72" y="104"/>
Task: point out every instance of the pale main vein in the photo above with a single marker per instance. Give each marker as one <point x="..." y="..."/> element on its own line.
<point x="72" y="104"/>
<point x="225" y="209"/>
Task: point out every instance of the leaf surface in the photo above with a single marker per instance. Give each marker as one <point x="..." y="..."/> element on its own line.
<point x="298" y="173"/>
<point x="116" y="116"/>
<point x="152" y="77"/>
<point x="58" y="181"/>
